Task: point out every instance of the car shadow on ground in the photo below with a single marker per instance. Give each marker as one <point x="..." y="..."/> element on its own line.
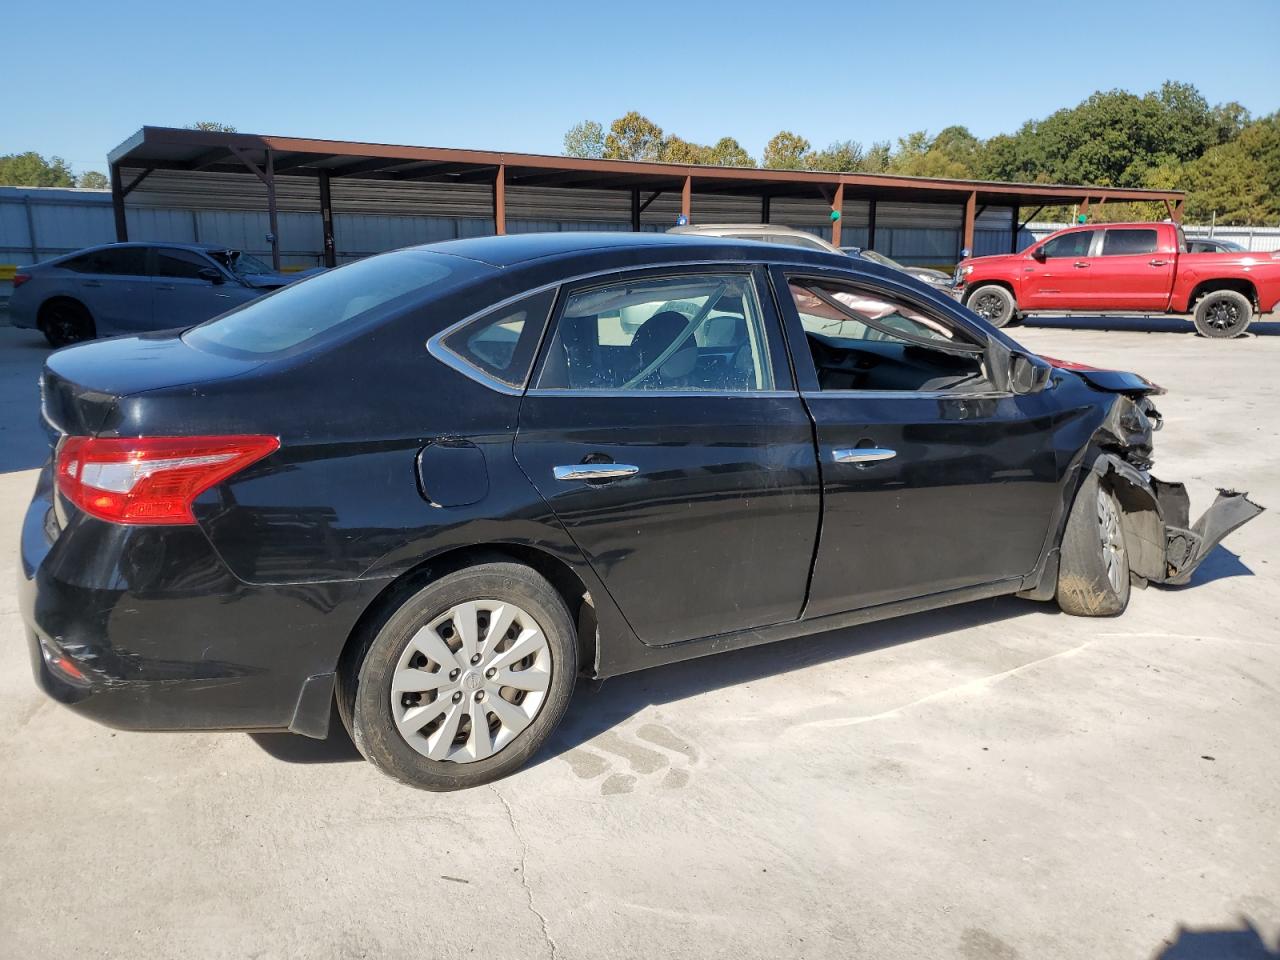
<point x="1241" y="942"/>
<point x="1259" y="328"/>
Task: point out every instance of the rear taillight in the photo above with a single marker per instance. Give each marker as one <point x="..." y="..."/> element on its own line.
<point x="19" y="279"/>
<point x="150" y="479"/>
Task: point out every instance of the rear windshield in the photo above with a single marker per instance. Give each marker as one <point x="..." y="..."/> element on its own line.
<point x="305" y="311"/>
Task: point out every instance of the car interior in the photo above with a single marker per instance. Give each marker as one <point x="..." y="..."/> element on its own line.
<point x="864" y="341"/>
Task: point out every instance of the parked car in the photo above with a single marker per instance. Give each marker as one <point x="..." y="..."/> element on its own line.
<point x="1214" y="246"/>
<point x="133" y="287"/>
<point x="934" y="278"/>
<point x="440" y="483"/>
<point x="760" y="232"/>
<point x="1126" y="268"/>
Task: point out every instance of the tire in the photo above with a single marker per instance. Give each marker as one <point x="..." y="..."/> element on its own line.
<point x="416" y="646"/>
<point x="994" y="304"/>
<point x="64" y="322"/>
<point x="1223" y="314"/>
<point x="1093" y="575"/>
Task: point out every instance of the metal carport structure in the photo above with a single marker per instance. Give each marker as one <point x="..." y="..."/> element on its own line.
<point x="268" y="158"/>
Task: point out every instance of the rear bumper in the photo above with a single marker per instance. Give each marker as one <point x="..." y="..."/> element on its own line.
<point x="146" y="629"/>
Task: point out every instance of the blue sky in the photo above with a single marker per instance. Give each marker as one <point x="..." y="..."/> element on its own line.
<point x="516" y="76"/>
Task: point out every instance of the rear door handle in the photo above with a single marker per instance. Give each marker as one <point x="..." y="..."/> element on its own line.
<point x="93" y="283"/>
<point x="595" y="471"/>
<point x="863" y="454"/>
<point x="167" y="286"/>
<point x="1157" y="263"/>
<point x="1081" y="265"/>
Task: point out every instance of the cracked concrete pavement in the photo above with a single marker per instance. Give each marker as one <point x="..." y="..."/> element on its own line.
<point x="992" y="781"/>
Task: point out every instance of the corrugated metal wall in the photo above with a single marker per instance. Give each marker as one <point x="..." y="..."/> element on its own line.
<point x="371" y="216"/>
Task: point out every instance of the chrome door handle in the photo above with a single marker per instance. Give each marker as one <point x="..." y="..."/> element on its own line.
<point x="1079" y="265"/>
<point x="863" y="455"/>
<point x="595" y="471"/>
<point x="1157" y="263"/>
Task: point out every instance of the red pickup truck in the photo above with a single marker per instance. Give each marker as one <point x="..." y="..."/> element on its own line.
<point x="1126" y="268"/>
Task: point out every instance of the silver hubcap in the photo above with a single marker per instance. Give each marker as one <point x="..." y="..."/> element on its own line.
<point x="470" y="681"/>
<point x="1112" y="540"/>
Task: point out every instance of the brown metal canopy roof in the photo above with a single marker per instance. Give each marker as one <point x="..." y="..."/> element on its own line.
<point x="166" y="148"/>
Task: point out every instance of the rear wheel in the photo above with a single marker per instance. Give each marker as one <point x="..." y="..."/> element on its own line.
<point x="994" y="304"/>
<point x="465" y="681"/>
<point x="64" y="322"/>
<point x="1093" y="576"/>
<point x="1223" y="314"/>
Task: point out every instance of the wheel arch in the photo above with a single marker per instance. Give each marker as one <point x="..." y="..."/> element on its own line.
<point x="54" y="300"/>
<point x="1238" y="285"/>
<point x="971" y="288"/>
<point x="562" y="577"/>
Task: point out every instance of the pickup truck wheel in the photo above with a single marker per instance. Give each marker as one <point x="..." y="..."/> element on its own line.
<point x="994" y="304"/>
<point x="1093" y="574"/>
<point x="1223" y="314"/>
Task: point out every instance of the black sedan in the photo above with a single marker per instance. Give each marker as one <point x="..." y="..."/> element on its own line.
<point x="441" y="483"/>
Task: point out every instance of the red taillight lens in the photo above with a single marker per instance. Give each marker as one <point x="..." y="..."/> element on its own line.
<point x="150" y="479"/>
<point x="19" y="279"/>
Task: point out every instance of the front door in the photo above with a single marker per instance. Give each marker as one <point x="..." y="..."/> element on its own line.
<point x="664" y="431"/>
<point x="932" y="480"/>
<point x="1131" y="273"/>
<point x="183" y="297"/>
<point x="1062" y="280"/>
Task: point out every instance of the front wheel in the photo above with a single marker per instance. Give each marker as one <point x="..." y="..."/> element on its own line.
<point x="1223" y="314"/>
<point x="1093" y="573"/>
<point x="465" y="681"/>
<point x="994" y="304"/>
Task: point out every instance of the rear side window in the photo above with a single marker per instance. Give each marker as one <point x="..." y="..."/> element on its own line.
<point x="502" y="342"/>
<point x="113" y="261"/>
<point x="1069" y="244"/>
<point x="304" y="311"/>
<point x="1117" y="243"/>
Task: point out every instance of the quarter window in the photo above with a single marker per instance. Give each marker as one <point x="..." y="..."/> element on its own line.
<point x="501" y="343"/>
<point x="1070" y="244"/>
<point x="863" y="339"/>
<point x="701" y="333"/>
<point x="1121" y="242"/>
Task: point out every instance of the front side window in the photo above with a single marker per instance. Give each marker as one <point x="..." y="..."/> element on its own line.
<point x="1069" y="244"/>
<point x="306" y="310"/>
<point x="1116" y="243"/>
<point x="241" y="264"/>
<point x="180" y="264"/>
<point x="701" y="333"/>
<point x="501" y="343"/>
<point x="863" y="339"/>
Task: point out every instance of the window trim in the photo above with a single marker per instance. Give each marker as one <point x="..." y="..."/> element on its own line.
<point x="778" y="357"/>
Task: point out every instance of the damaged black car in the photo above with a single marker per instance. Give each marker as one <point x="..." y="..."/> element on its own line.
<point x="440" y="484"/>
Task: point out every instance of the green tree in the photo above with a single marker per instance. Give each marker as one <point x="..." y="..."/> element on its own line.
<point x="584" y="140"/>
<point x="786" y="151"/>
<point x="677" y="150"/>
<point x="93" y="180"/>
<point x="727" y="152"/>
<point x="1238" y="182"/>
<point x="844" y="157"/>
<point x="633" y="137"/>
<point x="32" y="170"/>
<point x="213" y="126"/>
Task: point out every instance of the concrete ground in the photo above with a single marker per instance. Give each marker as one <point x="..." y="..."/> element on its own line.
<point x="992" y="781"/>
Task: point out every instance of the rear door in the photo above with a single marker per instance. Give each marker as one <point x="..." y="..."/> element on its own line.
<point x="1062" y="280"/>
<point x="113" y="283"/>
<point x="665" y="432"/>
<point x="183" y="297"/>
<point x="1131" y="272"/>
<point x="932" y="479"/>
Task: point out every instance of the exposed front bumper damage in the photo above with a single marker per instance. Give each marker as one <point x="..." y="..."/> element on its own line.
<point x="1164" y="546"/>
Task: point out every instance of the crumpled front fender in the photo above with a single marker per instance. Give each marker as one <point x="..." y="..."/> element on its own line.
<point x="1163" y="546"/>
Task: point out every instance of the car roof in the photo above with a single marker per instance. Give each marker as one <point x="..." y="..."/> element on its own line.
<point x="169" y="244"/>
<point x="643" y="248"/>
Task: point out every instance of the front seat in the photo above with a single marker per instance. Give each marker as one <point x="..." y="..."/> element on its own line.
<point x="653" y="338"/>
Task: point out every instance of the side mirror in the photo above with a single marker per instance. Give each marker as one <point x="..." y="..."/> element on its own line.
<point x="213" y="276"/>
<point x="1038" y="254"/>
<point x="1028" y="374"/>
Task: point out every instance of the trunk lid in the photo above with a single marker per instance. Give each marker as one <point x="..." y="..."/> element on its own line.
<point x="80" y="386"/>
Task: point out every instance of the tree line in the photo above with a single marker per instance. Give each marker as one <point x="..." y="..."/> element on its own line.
<point x="1172" y="138"/>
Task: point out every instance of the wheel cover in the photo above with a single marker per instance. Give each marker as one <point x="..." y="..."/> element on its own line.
<point x="989" y="306"/>
<point x="470" y="681"/>
<point x="1111" y="539"/>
